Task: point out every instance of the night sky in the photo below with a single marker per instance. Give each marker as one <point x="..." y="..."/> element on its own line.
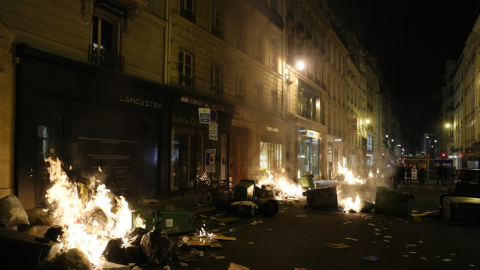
<point x="412" y="41"/>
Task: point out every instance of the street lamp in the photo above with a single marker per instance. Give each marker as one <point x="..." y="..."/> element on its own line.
<point x="367" y="121"/>
<point x="447" y="125"/>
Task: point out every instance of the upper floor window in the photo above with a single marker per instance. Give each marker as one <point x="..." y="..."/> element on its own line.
<point x="258" y="48"/>
<point x="105" y="48"/>
<point x="240" y="89"/>
<point x="215" y="79"/>
<point x="216" y="20"/>
<point x="308" y="105"/>
<point x="273" y="55"/>
<point x="186" y="10"/>
<point x="185" y="69"/>
<point x="239" y="31"/>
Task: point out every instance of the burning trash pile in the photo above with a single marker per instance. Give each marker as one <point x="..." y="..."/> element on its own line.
<point x="277" y="186"/>
<point x="87" y="227"/>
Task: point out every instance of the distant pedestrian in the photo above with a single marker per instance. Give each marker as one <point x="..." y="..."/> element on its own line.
<point x="401" y="174"/>
<point x="445" y="176"/>
<point x="409" y="174"/>
<point x="421" y="175"/>
<point x="439" y="174"/>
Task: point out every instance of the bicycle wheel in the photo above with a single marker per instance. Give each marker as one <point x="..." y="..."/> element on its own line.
<point x="188" y="196"/>
<point x="202" y="196"/>
<point x="225" y="194"/>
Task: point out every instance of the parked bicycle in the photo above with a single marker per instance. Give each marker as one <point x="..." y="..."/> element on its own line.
<point x="203" y="192"/>
<point x="206" y="192"/>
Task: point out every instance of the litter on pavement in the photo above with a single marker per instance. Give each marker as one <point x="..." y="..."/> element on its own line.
<point x="371" y="224"/>
<point x="370" y="258"/>
<point x="353" y="239"/>
<point x="302" y="216"/>
<point x="406" y="256"/>
<point x="446" y="260"/>
<point x="234" y="266"/>
<point x="423" y="258"/>
<point x="340" y="245"/>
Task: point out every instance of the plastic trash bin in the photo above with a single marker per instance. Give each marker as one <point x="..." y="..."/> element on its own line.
<point x="245" y="190"/>
<point x="388" y="201"/>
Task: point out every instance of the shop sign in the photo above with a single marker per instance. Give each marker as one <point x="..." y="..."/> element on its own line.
<point x="202" y="103"/>
<point x="329" y="151"/>
<point x="352" y="125"/>
<point x="210" y="160"/>
<point x="469" y="151"/>
<point x="338" y="140"/>
<point x="313" y="134"/>
<point x="272" y="129"/>
<point x="114" y="9"/>
<point x="204" y="115"/>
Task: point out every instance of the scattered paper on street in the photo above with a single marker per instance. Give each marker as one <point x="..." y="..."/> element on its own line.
<point x="371" y="224"/>
<point x="412" y="252"/>
<point x="340" y="245"/>
<point x="234" y="266"/>
<point x="353" y="239"/>
<point x="302" y="216"/>
<point x="423" y="258"/>
<point x="406" y="256"/>
<point x="182" y="264"/>
<point x="387" y="236"/>
<point x="370" y="258"/>
<point x="446" y="260"/>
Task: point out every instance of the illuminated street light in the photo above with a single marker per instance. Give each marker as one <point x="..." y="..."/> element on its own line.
<point x="386" y="136"/>
<point x="368" y="121"/>
<point x="300" y="65"/>
<point x="447" y="125"/>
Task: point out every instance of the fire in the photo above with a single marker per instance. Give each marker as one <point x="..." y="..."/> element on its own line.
<point x="89" y="219"/>
<point x="281" y="186"/>
<point x="349" y="178"/>
<point x="347" y="202"/>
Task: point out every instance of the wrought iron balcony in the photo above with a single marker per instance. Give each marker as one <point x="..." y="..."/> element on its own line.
<point x="217" y="32"/>
<point x="217" y="91"/>
<point x="187" y="14"/>
<point x="185" y="80"/>
<point x="101" y="58"/>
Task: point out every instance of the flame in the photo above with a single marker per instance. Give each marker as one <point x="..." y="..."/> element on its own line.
<point x="205" y="234"/>
<point x="282" y="186"/>
<point x="349" y="204"/>
<point x="140" y="222"/>
<point x="349" y="178"/>
<point x="88" y="221"/>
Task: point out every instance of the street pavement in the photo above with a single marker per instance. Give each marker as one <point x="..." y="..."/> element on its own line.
<point x="298" y="239"/>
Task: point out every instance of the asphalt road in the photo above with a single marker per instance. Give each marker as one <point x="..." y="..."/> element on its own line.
<point x="300" y="242"/>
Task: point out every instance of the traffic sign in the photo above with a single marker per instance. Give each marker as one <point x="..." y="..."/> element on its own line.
<point x="204" y="115"/>
<point x="213" y="115"/>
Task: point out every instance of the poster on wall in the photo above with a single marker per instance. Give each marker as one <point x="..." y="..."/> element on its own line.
<point x="210" y="160"/>
<point x="352" y="125"/>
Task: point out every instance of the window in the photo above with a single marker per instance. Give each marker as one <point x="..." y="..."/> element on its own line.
<point x="273" y="55"/>
<point x="240" y="90"/>
<point x="185" y="69"/>
<point x="274" y="99"/>
<point x="239" y="30"/>
<point x="216" y="18"/>
<point x="104" y="51"/>
<point x="270" y="156"/>
<point x="369" y="142"/>
<point x="215" y="79"/>
<point x="258" y="48"/>
<point x="186" y="10"/>
<point x="308" y="104"/>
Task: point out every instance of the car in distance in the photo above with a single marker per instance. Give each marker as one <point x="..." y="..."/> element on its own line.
<point x="465" y="181"/>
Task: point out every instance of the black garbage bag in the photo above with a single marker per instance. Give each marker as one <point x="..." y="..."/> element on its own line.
<point x="54" y="233"/>
<point x="157" y="247"/>
<point x="135" y="254"/>
<point x="72" y="259"/>
<point x="134" y="236"/>
<point x="269" y="208"/>
<point x="114" y="252"/>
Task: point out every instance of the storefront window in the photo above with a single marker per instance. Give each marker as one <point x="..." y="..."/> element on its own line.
<point x="309" y="157"/>
<point x="270" y="156"/>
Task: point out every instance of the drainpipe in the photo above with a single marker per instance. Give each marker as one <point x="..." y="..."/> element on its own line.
<point x="166" y="47"/>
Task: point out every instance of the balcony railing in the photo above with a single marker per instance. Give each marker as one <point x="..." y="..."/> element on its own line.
<point x="185" y="80"/>
<point x="187" y="14"/>
<point x="217" y="32"/>
<point x="217" y="91"/>
<point x="101" y="58"/>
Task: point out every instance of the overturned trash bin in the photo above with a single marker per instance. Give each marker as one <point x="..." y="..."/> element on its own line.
<point x="391" y="202"/>
<point x="245" y="190"/>
<point x="322" y="197"/>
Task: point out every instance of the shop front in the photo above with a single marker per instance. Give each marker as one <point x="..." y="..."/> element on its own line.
<point x="309" y="153"/>
<point x="99" y="123"/>
<point x="272" y="146"/>
<point x="191" y="139"/>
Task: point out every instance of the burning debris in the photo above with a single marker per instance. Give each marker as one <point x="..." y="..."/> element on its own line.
<point x="90" y="219"/>
<point x="278" y="186"/>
